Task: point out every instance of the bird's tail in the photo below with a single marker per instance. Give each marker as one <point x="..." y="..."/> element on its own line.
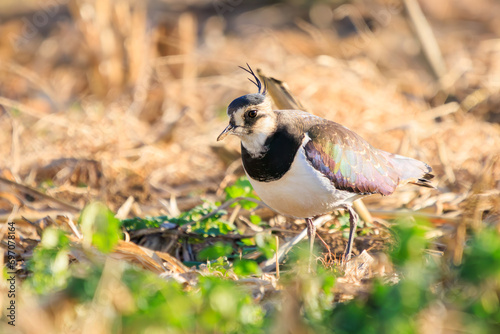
<point x="412" y="171"/>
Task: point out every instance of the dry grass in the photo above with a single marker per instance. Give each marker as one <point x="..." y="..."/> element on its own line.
<point x="109" y="102"/>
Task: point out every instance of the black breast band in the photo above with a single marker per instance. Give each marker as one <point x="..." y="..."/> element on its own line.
<point x="271" y="166"/>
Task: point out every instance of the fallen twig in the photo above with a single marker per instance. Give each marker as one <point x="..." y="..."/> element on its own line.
<point x="35" y="192"/>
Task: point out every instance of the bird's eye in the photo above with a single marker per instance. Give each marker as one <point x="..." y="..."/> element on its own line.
<point x="252" y="113"/>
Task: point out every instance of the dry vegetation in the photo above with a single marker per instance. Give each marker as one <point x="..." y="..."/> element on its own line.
<point x="121" y="102"/>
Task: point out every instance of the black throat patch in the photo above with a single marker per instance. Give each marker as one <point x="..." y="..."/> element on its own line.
<point x="273" y="164"/>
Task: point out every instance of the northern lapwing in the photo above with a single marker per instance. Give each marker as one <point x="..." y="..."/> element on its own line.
<point x="303" y="166"/>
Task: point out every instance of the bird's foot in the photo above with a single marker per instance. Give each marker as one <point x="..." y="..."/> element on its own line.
<point x="311" y="233"/>
<point x="353" y="222"/>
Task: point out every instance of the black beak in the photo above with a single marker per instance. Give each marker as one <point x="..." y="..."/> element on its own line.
<point x="227" y="131"/>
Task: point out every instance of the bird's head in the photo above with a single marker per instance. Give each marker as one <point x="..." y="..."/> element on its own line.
<point x="249" y="115"/>
<point x="251" y="118"/>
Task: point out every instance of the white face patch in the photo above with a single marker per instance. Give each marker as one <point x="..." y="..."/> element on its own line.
<point x="253" y="135"/>
<point x="265" y="125"/>
<point x="254" y="142"/>
<point x="239" y="117"/>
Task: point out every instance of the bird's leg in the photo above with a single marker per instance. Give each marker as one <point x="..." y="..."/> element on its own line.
<point x="311" y="233"/>
<point x="353" y="222"/>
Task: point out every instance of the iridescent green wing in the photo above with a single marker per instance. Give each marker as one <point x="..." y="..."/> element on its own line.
<point x="349" y="161"/>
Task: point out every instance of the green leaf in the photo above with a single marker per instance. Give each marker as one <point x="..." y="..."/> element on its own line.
<point x="266" y="244"/>
<point x="255" y="219"/>
<point x="246" y="267"/>
<point x="217" y="250"/>
<point x="482" y="257"/>
<point x="133" y="224"/>
<point x="412" y="242"/>
<point x="242" y="188"/>
<point x="248" y="242"/>
<point x="54" y="239"/>
<point x="100" y="225"/>
<point x="50" y="262"/>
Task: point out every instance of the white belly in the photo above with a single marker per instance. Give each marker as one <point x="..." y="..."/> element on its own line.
<point x="302" y="192"/>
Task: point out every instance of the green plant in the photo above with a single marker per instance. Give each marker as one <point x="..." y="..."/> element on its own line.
<point x="100" y="226"/>
<point x="50" y="262"/>
<point x="142" y="302"/>
<point x="215" y="251"/>
<point x="241" y="188"/>
<point x="205" y="219"/>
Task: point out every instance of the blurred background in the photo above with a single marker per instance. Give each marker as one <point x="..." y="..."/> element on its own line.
<point x="111" y="99"/>
<point x="122" y="101"/>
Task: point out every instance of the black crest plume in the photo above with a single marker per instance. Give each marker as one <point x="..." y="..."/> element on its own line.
<point x="262" y="88"/>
